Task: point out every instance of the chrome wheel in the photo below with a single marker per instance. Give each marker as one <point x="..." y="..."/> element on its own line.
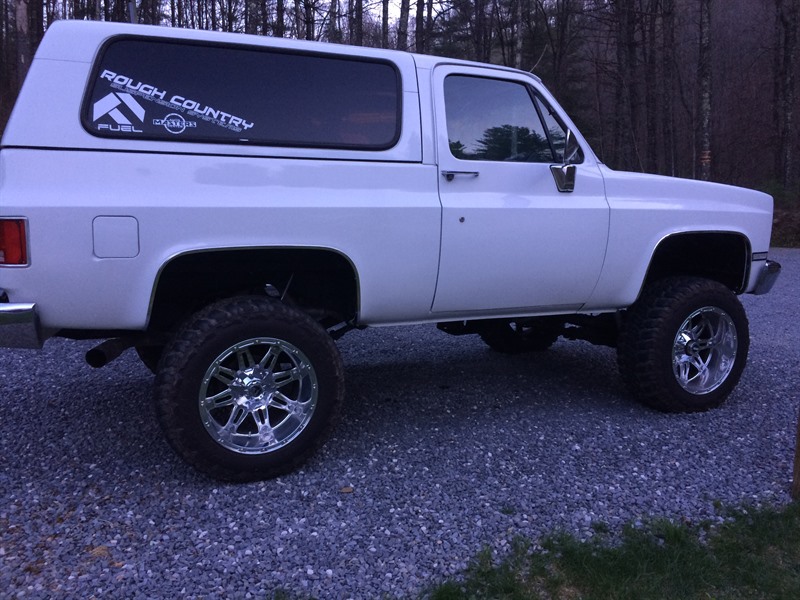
<point x="258" y="395"/>
<point x="704" y="351"/>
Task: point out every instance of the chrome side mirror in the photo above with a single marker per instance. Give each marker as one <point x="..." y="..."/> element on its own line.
<point x="564" y="174"/>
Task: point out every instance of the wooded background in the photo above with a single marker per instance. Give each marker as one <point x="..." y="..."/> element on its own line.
<point x="693" y="88"/>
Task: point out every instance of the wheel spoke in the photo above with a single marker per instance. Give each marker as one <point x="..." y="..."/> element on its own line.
<point x="266" y="434"/>
<point x="270" y="358"/>
<point x="221" y="400"/>
<point x="286" y="377"/>
<point x="725" y="338"/>
<point x="284" y="403"/>
<point x="683" y="373"/>
<point x="700" y="366"/>
<point x="280" y="402"/>
<point x="245" y="359"/>
<point x="225" y="375"/>
<point x="235" y="419"/>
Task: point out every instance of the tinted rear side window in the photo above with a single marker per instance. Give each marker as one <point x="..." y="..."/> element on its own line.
<point x="184" y="91"/>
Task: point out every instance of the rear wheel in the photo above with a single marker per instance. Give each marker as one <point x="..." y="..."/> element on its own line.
<point x="248" y="389"/>
<point x="684" y="345"/>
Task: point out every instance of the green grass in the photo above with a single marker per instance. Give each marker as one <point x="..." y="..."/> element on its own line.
<point x="754" y="556"/>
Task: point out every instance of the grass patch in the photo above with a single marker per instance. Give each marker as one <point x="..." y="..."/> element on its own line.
<point x="754" y="556"/>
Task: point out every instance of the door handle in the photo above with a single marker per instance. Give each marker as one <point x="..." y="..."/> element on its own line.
<point x="450" y="175"/>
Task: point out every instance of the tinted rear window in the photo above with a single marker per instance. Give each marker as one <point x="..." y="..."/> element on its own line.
<point x="200" y="93"/>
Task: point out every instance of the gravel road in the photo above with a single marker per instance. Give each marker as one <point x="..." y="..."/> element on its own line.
<point x="444" y="448"/>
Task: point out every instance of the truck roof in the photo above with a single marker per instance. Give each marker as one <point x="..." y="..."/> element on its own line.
<point x="73" y="40"/>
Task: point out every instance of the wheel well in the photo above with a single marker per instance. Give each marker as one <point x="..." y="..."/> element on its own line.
<point x="322" y="282"/>
<point x="723" y="257"/>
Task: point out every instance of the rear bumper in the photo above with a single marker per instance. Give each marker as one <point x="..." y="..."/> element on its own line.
<point x="19" y="325"/>
<point x="767" y="277"/>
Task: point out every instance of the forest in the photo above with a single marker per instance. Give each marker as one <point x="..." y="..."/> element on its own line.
<point x="703" y="89"/>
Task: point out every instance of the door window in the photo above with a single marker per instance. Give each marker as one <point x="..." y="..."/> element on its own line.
<point x="494" y="119"/>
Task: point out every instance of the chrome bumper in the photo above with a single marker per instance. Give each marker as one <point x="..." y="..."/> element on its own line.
<point x="766" y="278"/>
<point x="19" y="325"/>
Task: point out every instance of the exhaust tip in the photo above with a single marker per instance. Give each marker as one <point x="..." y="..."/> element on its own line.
<point x="104" y="353"/>
<point x="96" y="358"/>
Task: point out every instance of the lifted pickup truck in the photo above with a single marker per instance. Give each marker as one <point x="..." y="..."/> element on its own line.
<point x="229" y="205"/>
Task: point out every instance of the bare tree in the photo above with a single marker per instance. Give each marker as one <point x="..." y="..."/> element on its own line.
<point x="385" y="24"/>
<point x="334" y="32"/>
<point x="29" y="31"/>
<point x="419" y="27"/>
<point x="786" y="63"/>
<point x="668" y="85"/>
<point x="626" y="126"/>
<point x="704" y="91"/>
<point x="280" y="17"/>
<point x="402" y="25"/>
<point x="357" y="22"/>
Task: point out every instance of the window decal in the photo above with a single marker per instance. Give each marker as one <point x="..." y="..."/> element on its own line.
<point x="169" y="90"/>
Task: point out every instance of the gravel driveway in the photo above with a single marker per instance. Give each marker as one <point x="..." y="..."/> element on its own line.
<point x="444" y="448"/>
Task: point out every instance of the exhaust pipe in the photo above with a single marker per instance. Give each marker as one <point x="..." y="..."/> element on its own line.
<point x="104" y="353"/>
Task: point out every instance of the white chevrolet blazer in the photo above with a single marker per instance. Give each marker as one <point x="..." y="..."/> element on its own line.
<point x="229" y="205"/>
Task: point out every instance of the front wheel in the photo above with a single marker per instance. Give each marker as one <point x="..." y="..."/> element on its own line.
<point x="248" y="389"/>
<point x="684" y="345"/>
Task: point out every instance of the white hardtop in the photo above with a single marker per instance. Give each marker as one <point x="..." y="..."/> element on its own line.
<point x="78" y="41"/>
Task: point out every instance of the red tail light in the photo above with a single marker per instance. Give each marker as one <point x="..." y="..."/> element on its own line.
<point x="13" y="245"/>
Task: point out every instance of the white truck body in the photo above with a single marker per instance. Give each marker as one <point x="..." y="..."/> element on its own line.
<point x="418" y="230"/>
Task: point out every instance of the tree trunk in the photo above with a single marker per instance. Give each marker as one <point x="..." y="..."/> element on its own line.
<point x="280" y="9"/>
<point x="786" y="61"/>
<point x="704" y="86"/>
<point x="650" y="84"/>
<point x="627" y="94"/>
<point x="334" y="34"/>
<point x="358" y="24"/>
<point x="385" y="24"/>
<point x="419" y="28"/>
<point x="402" y="25"/>
<point x="518" y="37"/>
<point x="668" y="82"/>
<point x="24" y="40"/>
<point x="308" y="17"/>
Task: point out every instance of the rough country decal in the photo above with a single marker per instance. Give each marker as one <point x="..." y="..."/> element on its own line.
<point x="110" y="105"/>
<point x="191" y="107"/>
<point x="174" y="123"/>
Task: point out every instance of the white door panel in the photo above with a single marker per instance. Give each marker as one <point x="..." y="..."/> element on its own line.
<point x="510" y="240"/>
